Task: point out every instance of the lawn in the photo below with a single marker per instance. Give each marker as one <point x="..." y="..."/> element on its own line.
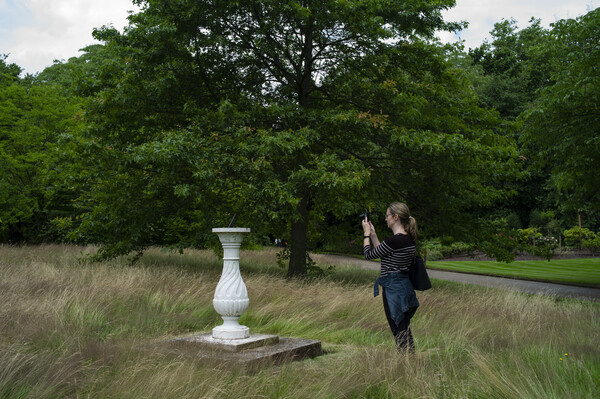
<point x="69" y="329"/>
<point x="585" y="271"/>
<point x="572" y="271"/>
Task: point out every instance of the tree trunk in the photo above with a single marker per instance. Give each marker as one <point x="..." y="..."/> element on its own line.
<point x="304" y="78"/>
<point x="297" y="265"/>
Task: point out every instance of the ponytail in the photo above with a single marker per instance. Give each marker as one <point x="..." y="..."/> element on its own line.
<point x="411" y="228"/>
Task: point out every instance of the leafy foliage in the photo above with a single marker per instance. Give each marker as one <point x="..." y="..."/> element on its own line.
<point x="546" y="247"/>
<point x="297" y="116"/>
<point x="516" y="64"/>
<point x="286" y="114"/>
<point x="562" y="126"/>
<point x="593" y="243"/>
<point x="576" y="235"/>
<point x="32" y="189"/>
<point x="543" y="79"/>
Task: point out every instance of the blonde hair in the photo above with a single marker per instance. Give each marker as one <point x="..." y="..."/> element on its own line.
<point x="408" y="222"/>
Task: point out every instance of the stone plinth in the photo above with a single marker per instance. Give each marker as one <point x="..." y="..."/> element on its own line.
<point x="249" y="354"/>
<point x="207" y="341"/>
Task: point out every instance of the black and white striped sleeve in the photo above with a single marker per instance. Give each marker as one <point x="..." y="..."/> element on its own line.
<point x="380" y="251"/>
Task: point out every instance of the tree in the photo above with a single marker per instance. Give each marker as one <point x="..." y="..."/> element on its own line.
<point x="32" y="117"/>
<point x="516" y="64"/>
<point x="79" y="76"/>
<point x="562" y="125"/>
<point x="282" y="112"/>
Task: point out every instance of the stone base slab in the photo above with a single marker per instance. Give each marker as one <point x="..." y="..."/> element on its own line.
<point x="257" y="352"/>
<point x="207" y="341"/>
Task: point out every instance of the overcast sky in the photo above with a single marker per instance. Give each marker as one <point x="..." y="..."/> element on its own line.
<point x="36" y="32"/>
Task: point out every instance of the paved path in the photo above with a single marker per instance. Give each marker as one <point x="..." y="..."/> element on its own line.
<point x="534" y="287"/>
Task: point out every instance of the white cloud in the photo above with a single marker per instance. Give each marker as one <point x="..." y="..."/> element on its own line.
<point x="36" y="32"/>
<point x="55" y="29"/>
<point x="483" y="14"/>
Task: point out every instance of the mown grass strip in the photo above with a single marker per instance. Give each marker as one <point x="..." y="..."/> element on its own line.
<point x="574" y="271"/>
<point x="585" y="271"/>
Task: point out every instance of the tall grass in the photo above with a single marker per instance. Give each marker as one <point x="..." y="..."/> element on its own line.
<point x="71" y="329"/>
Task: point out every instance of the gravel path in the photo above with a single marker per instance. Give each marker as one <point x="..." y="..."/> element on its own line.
<point x="533" y="287"/>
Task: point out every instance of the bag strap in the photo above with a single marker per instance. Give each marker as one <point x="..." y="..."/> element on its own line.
<point x="415" y="257"/>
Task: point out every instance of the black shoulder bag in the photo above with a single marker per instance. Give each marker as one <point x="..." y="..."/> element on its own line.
<point x="418" y="274"/>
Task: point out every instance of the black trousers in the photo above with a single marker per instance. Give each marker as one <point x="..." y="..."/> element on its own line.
<point x="402" y="335"/>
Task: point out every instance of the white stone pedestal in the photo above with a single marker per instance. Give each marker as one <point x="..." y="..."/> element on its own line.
<point x="231" y="297"/>
<point x="230" y="344"/>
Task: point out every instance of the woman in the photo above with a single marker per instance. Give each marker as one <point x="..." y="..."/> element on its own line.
<point x="396" y="252"/>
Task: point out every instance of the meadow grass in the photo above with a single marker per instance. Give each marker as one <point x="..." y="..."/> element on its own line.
<point x="573" y="271"/>
<point x="74" y="330"/>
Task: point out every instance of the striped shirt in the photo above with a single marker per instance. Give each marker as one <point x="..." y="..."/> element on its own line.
<point x="396" y="253"/>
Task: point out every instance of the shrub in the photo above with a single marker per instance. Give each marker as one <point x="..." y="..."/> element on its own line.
<point x="575" y="236"/>
<point x="457" y="248"/>
<point x="528" y="236"/>
<point x="545" y="246"/>
<point x="593" y="244"/>
<point x="502" y="246"/>
<point x="438" y="249"/>
<point x="432" y="248"/>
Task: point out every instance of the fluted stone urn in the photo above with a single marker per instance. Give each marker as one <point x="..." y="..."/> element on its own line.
<point x="231" y="296"/>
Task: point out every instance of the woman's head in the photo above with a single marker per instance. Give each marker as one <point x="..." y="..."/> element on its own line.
<point x="408" y="222"/>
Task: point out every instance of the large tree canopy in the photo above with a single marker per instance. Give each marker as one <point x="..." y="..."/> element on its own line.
<point x="32" y="117"/>
<point x="508" y="73"/>
<point x="516" y="65"/>
<point x="546" y="81"/>
<point x="282" y="112"/>
<point x="563" y="126"/>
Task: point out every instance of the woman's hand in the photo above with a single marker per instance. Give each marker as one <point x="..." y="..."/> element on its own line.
<point x="366" y="225"/>
<point x="372" y="229"/>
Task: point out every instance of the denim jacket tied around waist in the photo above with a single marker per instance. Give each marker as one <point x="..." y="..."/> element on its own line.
<point x="400" y="295"/>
